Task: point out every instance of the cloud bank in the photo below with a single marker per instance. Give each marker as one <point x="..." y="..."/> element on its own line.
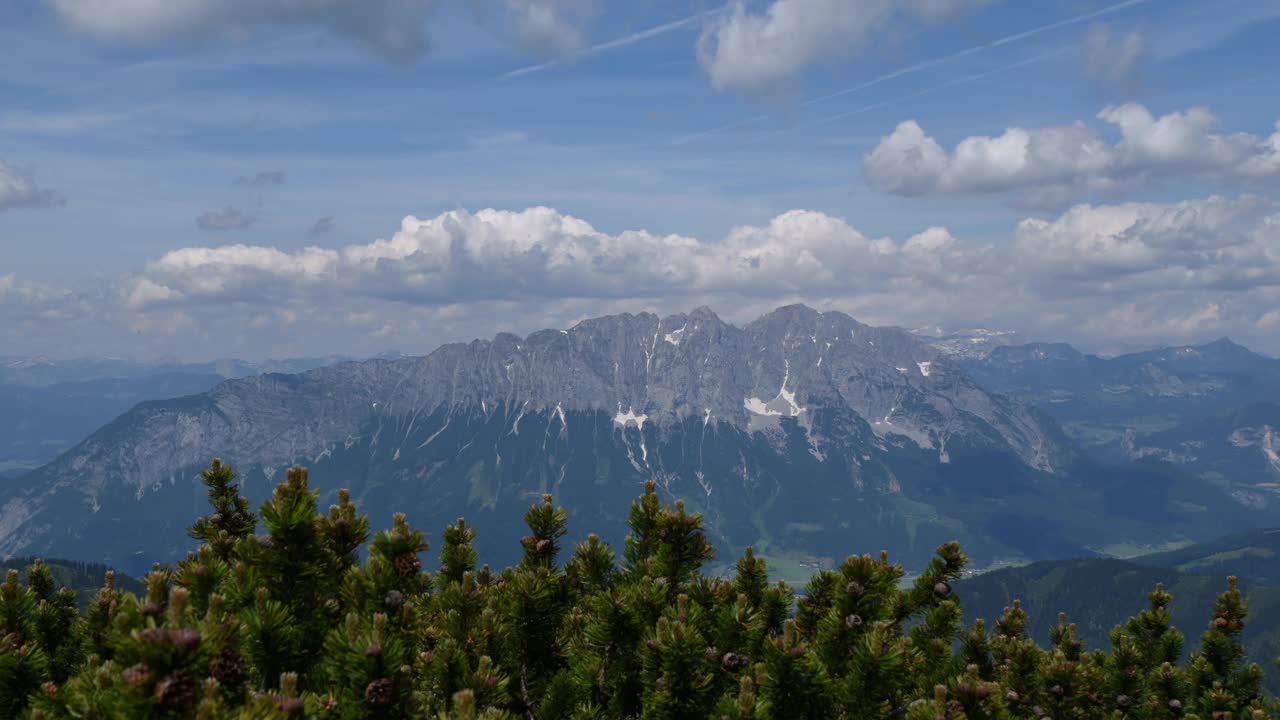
<point x="1051" y="165"/>
<point x="1097" y="275"/>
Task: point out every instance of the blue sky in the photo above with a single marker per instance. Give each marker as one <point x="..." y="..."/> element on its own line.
<point x="164" y="168"/>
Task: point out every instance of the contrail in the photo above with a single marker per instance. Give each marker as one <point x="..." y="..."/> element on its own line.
<point x="910" y="96"/>
<point x="614" y="44"/>
<point x="910" y="69"/>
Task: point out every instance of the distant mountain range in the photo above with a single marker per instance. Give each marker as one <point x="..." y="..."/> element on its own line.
<point x="972" y="344"/>
<point x="1212" y="410"/>
<point x="806" y="434"/>
<point x="43" y="372"/>
<point x="48" y="406"/>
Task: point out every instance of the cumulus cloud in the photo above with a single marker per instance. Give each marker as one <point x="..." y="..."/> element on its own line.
<point x="323" y="226"/>
<point x="268" y="178"/>
<point x="1112" y="61"/>
<point x="227" y="218"/>
<point x="1214" y="243"/>
<point x="18" y="189"/>
<point x="1095" y="274"/>
<point x="744" y="51"/>
<point x="1124" y="252"/>
<point x="1052" y="165"/>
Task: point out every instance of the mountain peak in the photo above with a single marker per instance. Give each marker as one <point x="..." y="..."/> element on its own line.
<point x="1226" y="344"/>
<point x="726" y="415"/>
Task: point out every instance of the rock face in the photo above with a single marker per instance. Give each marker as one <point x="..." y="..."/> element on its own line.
<point x="804" y="433"/>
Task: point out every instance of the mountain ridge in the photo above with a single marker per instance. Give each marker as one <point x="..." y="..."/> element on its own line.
<point x="800" y="431"/>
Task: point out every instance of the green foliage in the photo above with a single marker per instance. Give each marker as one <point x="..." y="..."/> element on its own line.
<point x="293" y="624"/>
<point x="230" y="519"/>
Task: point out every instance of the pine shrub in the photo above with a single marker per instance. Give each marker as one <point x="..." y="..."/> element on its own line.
<point x="291" y="623"/>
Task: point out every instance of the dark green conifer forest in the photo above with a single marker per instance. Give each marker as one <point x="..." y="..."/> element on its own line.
<point x="297" y="622"/>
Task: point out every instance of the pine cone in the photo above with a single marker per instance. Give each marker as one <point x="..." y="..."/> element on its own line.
<point x="854" y="589"/>
<point x="407" y="564"/>
<point x="135" y="676"/>
<point x="229" y="669"/>
<point x="734" y="661"/>
<point x="1175" y="704"/>
<point x="378" y="692"/>
<point x="852" y="621"/>
<point x="394" y="600"/>
<point x="1011" y="697"/>
<point x="1124" y="701"/>
<point x="942" y="589"/>
<point x="184" y="638"/>
<point x="542" y="547"/>
<point x="175" y="691"/>
<point x="152" y="609"/>
<point x="373" y="651"/>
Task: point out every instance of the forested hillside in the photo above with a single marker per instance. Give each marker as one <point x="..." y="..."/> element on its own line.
<point x="1098" y="594"/>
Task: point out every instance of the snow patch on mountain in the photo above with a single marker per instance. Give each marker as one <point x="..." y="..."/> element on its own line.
<point x="629" y="417"/>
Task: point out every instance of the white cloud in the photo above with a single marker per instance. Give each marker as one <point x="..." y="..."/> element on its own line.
<point x="740" y="50"/>
<point x="1052" y="165"/>
<point x="1095" y="274"/>
<point x="1207" y="244"/>
<point x="1113" y="61"/>
<point x="540" y="252"/>
<point x="145" y="292"/>
<point x="18" y="189"/>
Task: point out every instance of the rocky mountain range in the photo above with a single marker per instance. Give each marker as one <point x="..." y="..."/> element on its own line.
<point x="46" y="406"/>
<point x="1211" y="410"/>
<point x="808" y="435"/>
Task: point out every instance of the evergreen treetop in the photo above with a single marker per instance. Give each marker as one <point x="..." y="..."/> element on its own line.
<point x="291" y="623"/>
